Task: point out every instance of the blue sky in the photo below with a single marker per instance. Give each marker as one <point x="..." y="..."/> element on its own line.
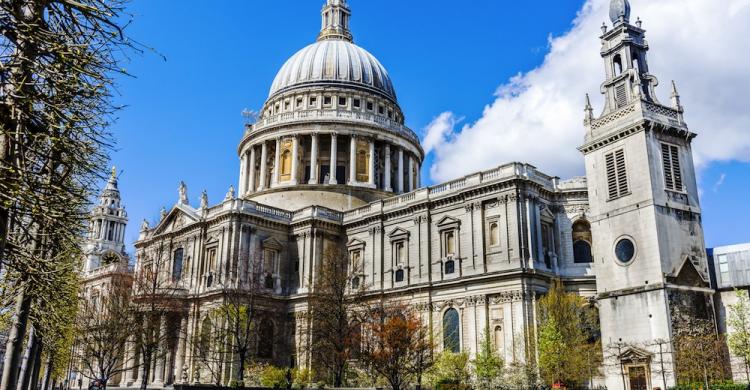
<point x="183" y="117"/>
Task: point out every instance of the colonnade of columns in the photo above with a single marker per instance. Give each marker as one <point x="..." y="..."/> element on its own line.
<point x="370" y="163"/>
<point x="167" y="365"/>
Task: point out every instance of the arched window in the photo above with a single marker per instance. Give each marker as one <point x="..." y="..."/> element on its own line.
<point x="582" y="242"/>
<point x="177" y="264"/>
<point x="450" y="243"/>
<point x="355" y="283"/>
<point x="451" y="335"/>
<point x="494" y="234"/>
<point x="265" y="340"/>
<point x="400" y="250"/>
<point x="617" y="62"/>
<point x="499" y="341"/>
<point x="363" y="161"/>
<point x="286" y="164"/>
<point x="205" y="340"/>
<point x="400" y="275"/>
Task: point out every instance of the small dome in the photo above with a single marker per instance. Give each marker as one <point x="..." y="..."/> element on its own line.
<point x="334" y="61"/>
<point x="619" y="9"/>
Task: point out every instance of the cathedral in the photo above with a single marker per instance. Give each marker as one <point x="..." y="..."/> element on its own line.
<point x="330" y="163"/>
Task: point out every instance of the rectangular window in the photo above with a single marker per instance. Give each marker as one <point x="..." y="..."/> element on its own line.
<point x="381" y="110"/>
<point x="369" y="106"/>
<point x="299" y="102"/>
<point x="617" y="177"/>
<point x="724" y="269"/>
<point x="670" y="158"/>
<point x="313" y="101"/>
<point x="342" y="102"/>
<point x="327" y="101"/>
<point x="356" y="103"/>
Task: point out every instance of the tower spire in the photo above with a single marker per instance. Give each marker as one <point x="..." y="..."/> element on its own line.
<point x="676" y="104"/>
<point x="335" y="21"/>
<point x="588" y="110"/>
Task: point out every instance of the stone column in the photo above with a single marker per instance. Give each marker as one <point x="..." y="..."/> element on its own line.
<point x="263" y="166"/>
<point x="276" y="163"/>
<point x="411" y="173"/>
<point x="126" y="378"/>
<point x="295" y="160"/>
<point x="371" y="168"/>
<point x="251" y="170"/>
<point x="241" y="188"/>
<point x="180" y="359"/>
<point x="332" y="174"/>
<point x="162" y="354"/>
<point x="419" y="174"/>
<point x="141" y="368"/>
<point x="400" y="173"/>
<point x="314" y="159"/>
<point x="352" y="159"/>
<point x="387" y="179"/>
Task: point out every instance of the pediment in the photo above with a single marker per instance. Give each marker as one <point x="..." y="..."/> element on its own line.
<point x="546" y="214"/>
<point x="687" y="275"/>
<point x="634" y="354"/>
<point x="179" y="217"/>
<point x="272" y="243"/>
<point x="448" y="222"/>
<point x="355" y="242"/>
<point x="398" y="233"/>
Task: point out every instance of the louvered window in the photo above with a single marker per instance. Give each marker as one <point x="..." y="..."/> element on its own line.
<point x="617" y="177"/>
<point x="621" y="96"/>
<point x="670" y="158"/>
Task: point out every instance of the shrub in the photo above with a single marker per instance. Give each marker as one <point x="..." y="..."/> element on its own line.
<point x="729" y="385"/>
<point x="272" y="376"/>
<point x="449" y="368"/>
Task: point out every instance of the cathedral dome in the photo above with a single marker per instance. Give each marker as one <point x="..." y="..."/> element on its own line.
<point x="334" y="61"/>
<point x="331" y="132"/>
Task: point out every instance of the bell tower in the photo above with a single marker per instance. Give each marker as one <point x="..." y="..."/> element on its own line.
<point x="105" y="244"/>
<point x="648" y="247"/>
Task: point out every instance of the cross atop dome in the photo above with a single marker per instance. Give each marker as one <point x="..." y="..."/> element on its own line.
<point x="335" y="21"/>
<point x="619" y="11"/>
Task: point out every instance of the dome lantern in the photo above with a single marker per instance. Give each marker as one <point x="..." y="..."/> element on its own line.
<point x="335" y="21"/>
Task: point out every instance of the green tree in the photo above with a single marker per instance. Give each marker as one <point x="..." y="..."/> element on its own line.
<point x="568" y="336"/>
<point x="450" y="368"/>
<point x="488" y="365"/>
<point x="738" y="320"/>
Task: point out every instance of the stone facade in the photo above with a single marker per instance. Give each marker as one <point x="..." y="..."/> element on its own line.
<point x="329" y="163"/>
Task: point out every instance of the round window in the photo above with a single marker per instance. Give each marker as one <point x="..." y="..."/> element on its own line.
<point x="625" y="250"/>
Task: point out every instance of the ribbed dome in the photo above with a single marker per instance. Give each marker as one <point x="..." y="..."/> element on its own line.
<point x="333" y="61"/>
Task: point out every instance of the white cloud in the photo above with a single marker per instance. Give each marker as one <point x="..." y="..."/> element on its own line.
<point x="720" y="182"/>
<point x="537" y="117"/>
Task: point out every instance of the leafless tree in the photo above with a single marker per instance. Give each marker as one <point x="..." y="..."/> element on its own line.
<point x="334" y="305"/>
<point x="156" y="298"/>
<point x="104" y="328"/>
<point x="235" y="326"/>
